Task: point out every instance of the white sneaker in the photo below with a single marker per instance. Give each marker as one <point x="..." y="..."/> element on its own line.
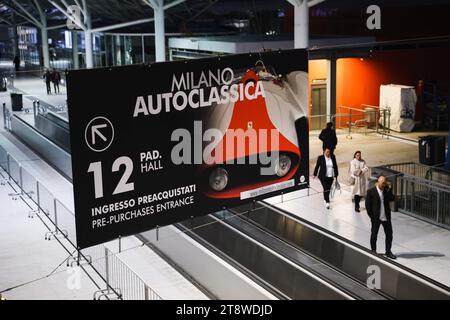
<point x="327" y="205"/>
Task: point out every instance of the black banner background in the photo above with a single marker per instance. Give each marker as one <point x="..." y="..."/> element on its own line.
<point x="112" y="93"/>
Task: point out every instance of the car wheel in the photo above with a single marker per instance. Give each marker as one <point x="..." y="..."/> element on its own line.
<point x="283" y="165"/>
<point x="218" y="179"/>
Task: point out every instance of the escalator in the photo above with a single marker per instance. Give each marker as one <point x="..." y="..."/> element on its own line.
<point x="293" y="259"/>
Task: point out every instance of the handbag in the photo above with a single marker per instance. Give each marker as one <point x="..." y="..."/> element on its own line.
<point x="351" y="179"/>
<point x="335" y="186"/>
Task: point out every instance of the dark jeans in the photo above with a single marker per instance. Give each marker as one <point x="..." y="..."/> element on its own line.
<point x="387" y="226"/>
<point x="49" y="88"/>
<point x="357" y="200"/>
<point x="326" y="184"/>
<point x="56" y="86"/>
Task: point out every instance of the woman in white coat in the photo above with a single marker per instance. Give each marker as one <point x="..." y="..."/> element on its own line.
<point x="358" y="171"/>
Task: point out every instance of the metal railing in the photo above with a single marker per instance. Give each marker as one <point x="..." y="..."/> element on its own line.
<point x="349" y="120"/>
<point x="431" y="173"/>
<point x="120" y="281"/>
<point x="425" y="199"/>
<point x="371" y="119"/>
<point x="118" y="276"/>
<point x="44" y="109"/>
<point x="421" y="191"/>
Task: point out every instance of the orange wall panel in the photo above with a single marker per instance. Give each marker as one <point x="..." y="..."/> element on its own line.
<point x="358" y="81"/>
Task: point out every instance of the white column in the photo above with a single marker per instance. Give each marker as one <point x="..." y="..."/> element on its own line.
<point x="15" y="36"/>
<point x="76" y="63"/>
<point x="160" y="33"/>
<point x="88" y="37"/>
<point x="88" y="49"/>
<point x="301" y="24"/>
<point x="45" y="53"/>
<point x="118" y="52"/>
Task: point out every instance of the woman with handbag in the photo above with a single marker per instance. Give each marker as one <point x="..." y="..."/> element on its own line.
<point x="327" y="170"/>
<point x="357" y="177"/>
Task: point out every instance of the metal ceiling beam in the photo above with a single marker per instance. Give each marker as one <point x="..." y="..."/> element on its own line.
<point x="35" y="21"/>
<point x="6" y="21"/>
<point x="151" y="3"/>
<point x="23" y="16"/>
<point x="81" y="7"/>
<point x="122" y="25"/>
<point x="59" y="26"/>
<point x="64" y="12"/>
<point x="65" y="4"/>
<point x="312" y="3"/>
<point x="213" y="2"/>
<point x="295" y="2"/>
<point x="38" y="7"/>
<point x="173" y="4"/>
<point x="87" y="15"/>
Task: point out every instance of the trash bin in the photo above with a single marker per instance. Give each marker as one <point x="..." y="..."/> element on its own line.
<point x="431" y="150"/>
<point x="16" y="102"/>
<point x="391" y="179"/>
<point x="370" y="115"/>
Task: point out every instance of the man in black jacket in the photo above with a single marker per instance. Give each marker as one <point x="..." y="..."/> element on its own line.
<point x="328" y="137"/>
<point x="327" y="168"/>
<point x="379" y="211"/>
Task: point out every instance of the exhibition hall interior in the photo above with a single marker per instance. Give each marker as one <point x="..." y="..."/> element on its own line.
<point x="224" y="150"/>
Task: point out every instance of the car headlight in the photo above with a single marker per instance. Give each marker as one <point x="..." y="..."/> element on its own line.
<point x="283" y="165"/>
<point x="218" y="179"/>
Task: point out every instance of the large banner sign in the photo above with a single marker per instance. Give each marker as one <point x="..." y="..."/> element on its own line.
<point x="158" y="144"/>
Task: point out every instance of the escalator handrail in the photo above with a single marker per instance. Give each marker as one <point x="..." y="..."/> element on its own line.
<point x="360" y="247"/>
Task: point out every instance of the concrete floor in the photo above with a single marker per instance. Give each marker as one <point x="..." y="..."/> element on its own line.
<point x="374" y="149"/>
<point x="27" y="259"/>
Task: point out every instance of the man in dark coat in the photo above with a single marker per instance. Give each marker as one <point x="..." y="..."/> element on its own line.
<point x="48" y="81"/>
<point x="379" y="211"/>
<point x="56" y="79"/>
<point x="328" y="137"/>
<point x="16" y="62"/>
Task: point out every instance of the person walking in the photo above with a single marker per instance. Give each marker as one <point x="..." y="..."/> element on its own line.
<point x="379" y="211"/>
<point x="56" y="79"/>
<point x="358" y="170"/>
<point x="16" y="62"/>
<point x="328" y="137"/>
<point x="327" y="170"/>
<point x="48" y="80"/>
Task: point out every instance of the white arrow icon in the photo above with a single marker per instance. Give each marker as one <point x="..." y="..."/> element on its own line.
<point x="95" y="131"/>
